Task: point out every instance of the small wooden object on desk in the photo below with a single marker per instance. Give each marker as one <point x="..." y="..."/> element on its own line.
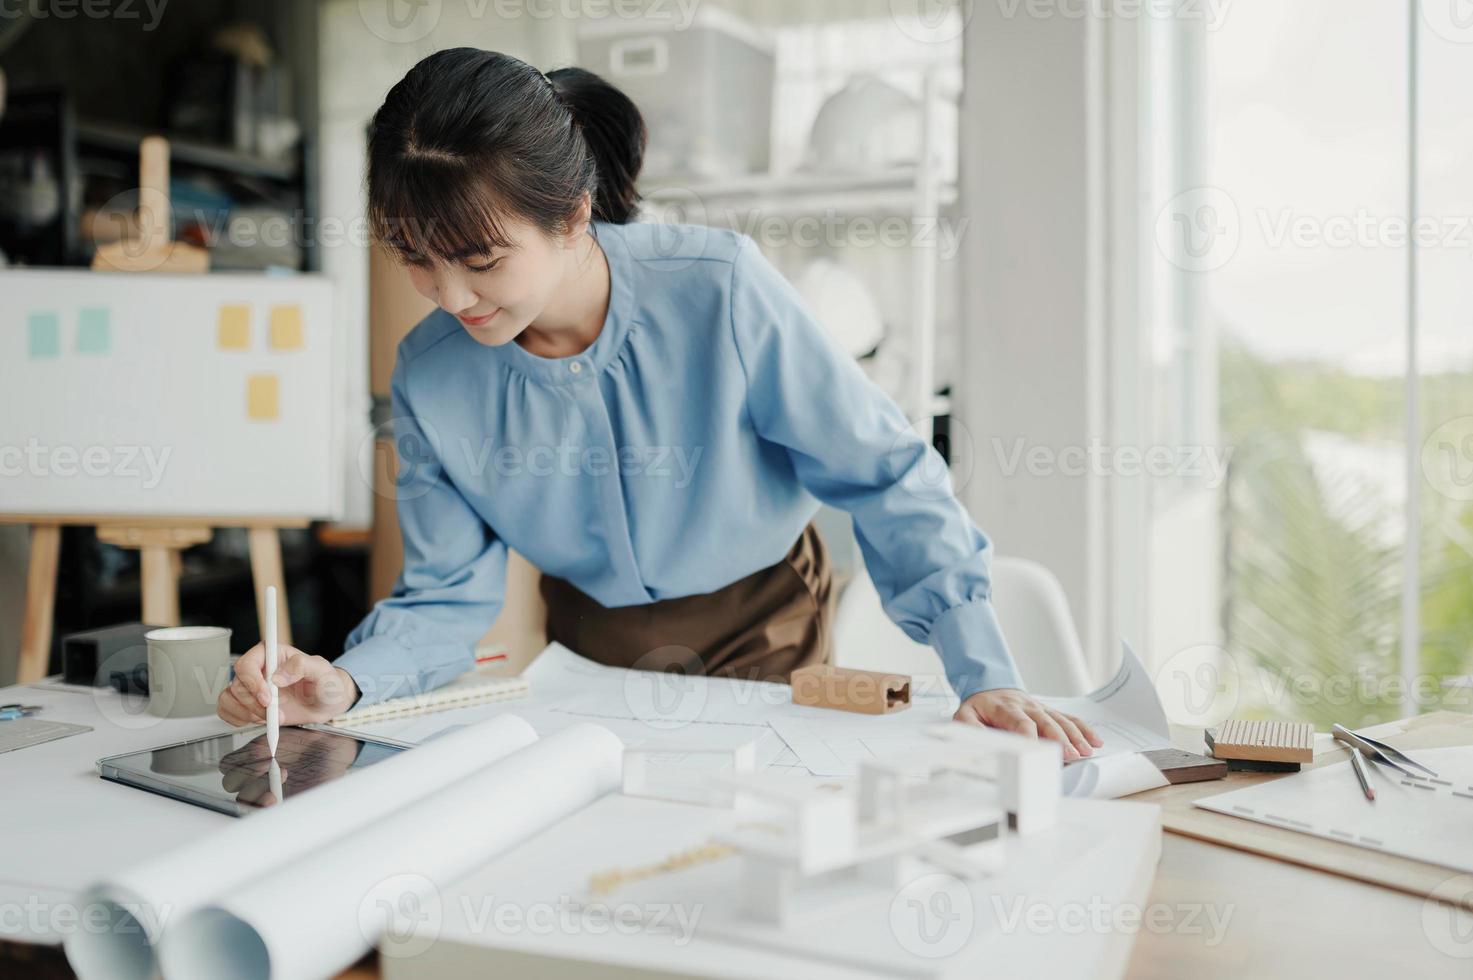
<point x="1185" y="767"/>
<point x="865" y="691"/>
<point x="1263" y="746"/>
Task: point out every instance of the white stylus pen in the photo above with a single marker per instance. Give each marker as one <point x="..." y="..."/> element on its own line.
<point x="273" y="720"/>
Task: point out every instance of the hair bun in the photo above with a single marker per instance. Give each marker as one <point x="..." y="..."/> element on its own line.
<point x="615" y="132"/>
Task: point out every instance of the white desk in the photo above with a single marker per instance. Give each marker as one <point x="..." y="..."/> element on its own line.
<point x="76" y="828"/>
<point x="62" y="826"/>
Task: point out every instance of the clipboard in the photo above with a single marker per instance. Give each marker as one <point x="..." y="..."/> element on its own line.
<point x="1440" y="729"/>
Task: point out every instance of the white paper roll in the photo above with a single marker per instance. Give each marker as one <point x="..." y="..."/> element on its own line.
<point x="312" y="917"/>
<point x="138" y="903"/>
<point x="1111" y="777"/>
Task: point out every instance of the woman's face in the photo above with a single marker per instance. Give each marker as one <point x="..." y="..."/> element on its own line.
<point x="497" y="296"/>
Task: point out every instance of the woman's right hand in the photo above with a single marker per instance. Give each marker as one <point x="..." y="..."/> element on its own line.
<point x="310" y="689"/>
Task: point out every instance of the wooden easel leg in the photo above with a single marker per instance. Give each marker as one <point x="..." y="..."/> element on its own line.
<point x="158" y="550"/>
<point x="266" y="570"/>
<point x="160" y="584"/>
<point x="35" y="632"/>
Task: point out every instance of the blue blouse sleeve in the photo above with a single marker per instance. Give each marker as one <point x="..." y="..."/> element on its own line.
<point x="852" y="448"/>
<point x="453" y="583"/>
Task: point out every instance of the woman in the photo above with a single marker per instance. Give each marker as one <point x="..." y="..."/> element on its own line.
<point x="646" y="412"/>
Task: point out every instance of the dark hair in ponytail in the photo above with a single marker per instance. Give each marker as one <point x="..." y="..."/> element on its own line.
<point x="468" y="137"/>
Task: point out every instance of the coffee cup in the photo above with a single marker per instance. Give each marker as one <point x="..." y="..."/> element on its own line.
<point x="188" y="667"/>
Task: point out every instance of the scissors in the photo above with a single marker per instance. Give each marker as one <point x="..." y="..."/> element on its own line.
<point x="1378" y="751"/>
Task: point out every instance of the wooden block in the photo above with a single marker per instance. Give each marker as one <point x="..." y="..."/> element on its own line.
<point x="1261" y="765"/>
<point x="865" y="691"/>
<point x="1263" y="741"/>
<point x="170" y="258"/>
<point x="1186" y="767"/>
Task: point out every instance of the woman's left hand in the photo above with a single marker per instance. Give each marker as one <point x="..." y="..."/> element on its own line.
<point x="1013" y="710"/>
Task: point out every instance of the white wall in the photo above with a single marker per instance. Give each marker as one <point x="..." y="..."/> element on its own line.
<point x="1069" y="150"/>
<point x="1032" y="345"/>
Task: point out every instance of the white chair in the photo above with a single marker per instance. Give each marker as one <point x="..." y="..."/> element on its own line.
<point x="1030" y="604"/>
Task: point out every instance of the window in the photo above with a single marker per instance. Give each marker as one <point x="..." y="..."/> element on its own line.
<point x="1314" y="288"/>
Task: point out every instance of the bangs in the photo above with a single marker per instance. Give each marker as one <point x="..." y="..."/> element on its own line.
<point x="437" y="208"/>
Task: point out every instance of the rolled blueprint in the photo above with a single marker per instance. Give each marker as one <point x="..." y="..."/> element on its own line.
<point x="138" y="905"/>
<point x="1111" y="777"/>
<point x="314" y="916"/>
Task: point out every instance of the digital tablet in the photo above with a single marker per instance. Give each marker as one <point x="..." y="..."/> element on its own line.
<point x="231" y="772"/>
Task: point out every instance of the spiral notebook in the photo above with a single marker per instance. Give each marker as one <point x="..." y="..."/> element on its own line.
<point x="482" y="683"/>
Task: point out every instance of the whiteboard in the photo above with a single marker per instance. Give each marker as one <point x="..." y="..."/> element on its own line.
<point x="168" y="396"/>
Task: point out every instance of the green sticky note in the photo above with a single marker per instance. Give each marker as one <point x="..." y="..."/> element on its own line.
<point x="43" y="335"/>
<point x="93" y="331"/>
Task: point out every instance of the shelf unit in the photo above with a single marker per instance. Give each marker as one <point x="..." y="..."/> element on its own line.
<point x="43" y="119"/>
<point x="800" y="192"/>
<point x="917" y="191"/>
<point x="187" y="152"/>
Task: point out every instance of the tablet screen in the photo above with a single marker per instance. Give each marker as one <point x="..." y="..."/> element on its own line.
<point x="232" y="772"/>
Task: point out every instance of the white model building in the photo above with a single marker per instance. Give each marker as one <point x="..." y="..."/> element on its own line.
<point x="816" y="839"/>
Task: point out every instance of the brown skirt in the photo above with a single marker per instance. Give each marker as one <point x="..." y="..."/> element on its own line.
<point x="758" y="628"/>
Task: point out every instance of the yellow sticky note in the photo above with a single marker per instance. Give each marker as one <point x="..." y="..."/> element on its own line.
<point x="263" y="401"/>
<point x="234" y="332"/>
<point x="286" y="327"/>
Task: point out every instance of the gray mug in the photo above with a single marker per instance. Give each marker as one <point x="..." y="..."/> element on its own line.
<point x="188" y="667"/>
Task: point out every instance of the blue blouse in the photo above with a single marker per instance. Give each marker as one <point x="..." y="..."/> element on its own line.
<point x="686" y="448"/>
